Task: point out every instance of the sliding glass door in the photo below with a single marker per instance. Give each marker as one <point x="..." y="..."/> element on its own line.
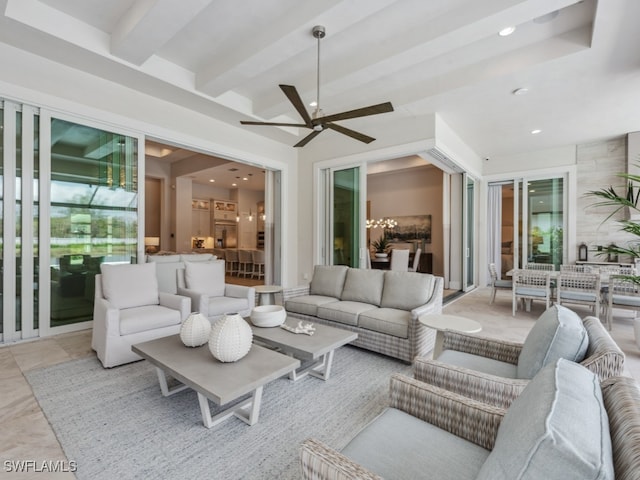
<point x="93" y="213"/>
<point x="346" y="217"/>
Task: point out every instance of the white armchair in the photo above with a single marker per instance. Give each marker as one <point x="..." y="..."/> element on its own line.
<point x="204" y="283"/>
<point x="129" y="309"/>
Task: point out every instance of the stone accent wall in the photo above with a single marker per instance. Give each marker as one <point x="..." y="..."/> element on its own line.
<point x="598" y="165"/>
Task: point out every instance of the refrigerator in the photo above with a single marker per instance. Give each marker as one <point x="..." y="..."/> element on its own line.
<point x="226" y="235"/>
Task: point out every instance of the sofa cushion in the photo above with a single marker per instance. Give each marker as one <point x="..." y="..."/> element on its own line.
<point x="307" y="304"/>
<point x="556" y="429"/>
<point x="406" y="290"/>
<point x="148" y="317"/>
<point x="398" y="445"/>
<point x="386" y="320"/>
<point x="127" y="286"/>
<point x="557" y="333"/>
<point x="166" y="275"/>
<point x="363" y="286"/>
<point x="328" y="280"/>
<point x="163" y="258"/>
<point x="478" y="363"/>
<point x="197" y="257"/>
<point x="343" y="312"/>
<point x="205" y="277"/>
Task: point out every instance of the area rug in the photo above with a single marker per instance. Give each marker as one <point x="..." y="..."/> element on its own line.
<point x="115" y="423"/>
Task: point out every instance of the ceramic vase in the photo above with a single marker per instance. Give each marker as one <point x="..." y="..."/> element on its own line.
<point x="230" y="338"/>
<point x="195" y="330"/>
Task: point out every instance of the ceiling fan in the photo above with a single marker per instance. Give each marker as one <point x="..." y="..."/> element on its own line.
<point x="317" y="122"/>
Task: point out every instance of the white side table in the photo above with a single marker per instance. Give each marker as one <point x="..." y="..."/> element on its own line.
<point x="442" y="322"/>
<point x="267" y="294"/>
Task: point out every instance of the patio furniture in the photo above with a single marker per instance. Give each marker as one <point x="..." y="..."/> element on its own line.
<point x="580" y="289"/>
<point x="622" y="293"/>
<point x="497" y="283"/>
<point x="529" y="285"/>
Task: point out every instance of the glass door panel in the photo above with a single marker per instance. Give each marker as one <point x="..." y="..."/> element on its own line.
<point x="93" y="215"/>
<point x="469" y="236"/>
<point x="346" y="217"/>
<point x="545" y="221"/>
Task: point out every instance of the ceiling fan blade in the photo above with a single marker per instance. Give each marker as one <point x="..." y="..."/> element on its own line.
<point x="351" y="133"/>
<point x="308" y="138"/>
<point x="358" y="112"/>
<point x="243" y="122"/>
<point x="293" y="96"/>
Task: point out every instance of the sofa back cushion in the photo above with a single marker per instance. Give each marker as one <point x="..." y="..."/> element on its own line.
<point x="205" y="277"/>
<point x="557" y="333"/>
<point x="557" y="428"/>
<point x="406" y="290"/>
<point x="197" y="257"/>
<point x="127" y="286"/>
<point x="163" y="258"/>
<point x="328" y="280"/>
<point x="363" y="286"/>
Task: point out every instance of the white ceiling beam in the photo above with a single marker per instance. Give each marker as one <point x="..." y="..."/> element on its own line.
<point x="264" y="50"/>
<point x="459" y="27"/>
<point x="149" y="24"/>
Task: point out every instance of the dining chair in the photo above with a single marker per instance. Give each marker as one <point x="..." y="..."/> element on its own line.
<point x="529" y="285"/>
<point x="497" y="283"/>
<point x="547" y="267"/>
<point x="575" y="268"/>
<point x="622" y="293"/>
<point x="579" y="288"/>
<point x="245" y="262"/>
<point x="257" y="257"/>
<point x="231" y="259"/>
<point x="400" y="260"/>
<point x="416" y="261"/>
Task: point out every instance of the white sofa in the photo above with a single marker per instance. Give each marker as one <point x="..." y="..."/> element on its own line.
<point x="381" y="306"/>
<point x="167" y="267"/>
<point x="129" y="309"/>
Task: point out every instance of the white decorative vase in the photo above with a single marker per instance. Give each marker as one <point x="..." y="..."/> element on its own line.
<point x="230" y="338"/>
<point x="268" y="316"/>
<point x="195" y="330"/>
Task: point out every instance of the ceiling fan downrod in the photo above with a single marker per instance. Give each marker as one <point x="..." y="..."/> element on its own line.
<point x="318" y="32"/>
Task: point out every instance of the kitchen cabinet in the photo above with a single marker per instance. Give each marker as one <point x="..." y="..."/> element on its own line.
<point x="200" y="218"/>
<point x="225" y="210"/>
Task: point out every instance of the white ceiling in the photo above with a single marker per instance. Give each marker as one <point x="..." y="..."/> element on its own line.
<point x="579" y="61"/>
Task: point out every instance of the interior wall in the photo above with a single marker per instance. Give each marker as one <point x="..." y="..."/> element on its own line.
<point x="416" y="191"/>
<point x="152" y="207"/>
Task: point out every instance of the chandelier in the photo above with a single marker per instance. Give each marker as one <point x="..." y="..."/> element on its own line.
<point x="381" y="223"/>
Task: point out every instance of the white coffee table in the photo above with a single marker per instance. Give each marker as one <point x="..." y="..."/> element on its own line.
<point x="443" y="322"/>
<point x="213" y="380"/>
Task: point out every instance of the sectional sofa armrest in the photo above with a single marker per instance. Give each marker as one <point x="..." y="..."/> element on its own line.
<point x="176" y="302"/>
<point x="604" y="357"/>
<point x="199" y="301"/>
<point x="434" y="305"/>
<point x="106" y="317"/>
<point x="298" y="291"/>
<point x="239" y="291"/>
<point x="483" y="387"/>
<point x="464" y="417"/>
<point x="501" y="350"/>
<point x="318" y="461"/>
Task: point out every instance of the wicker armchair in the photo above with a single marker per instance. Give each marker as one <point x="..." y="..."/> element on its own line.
<point x="478" y="425"/>
<point x="603" y="357"/>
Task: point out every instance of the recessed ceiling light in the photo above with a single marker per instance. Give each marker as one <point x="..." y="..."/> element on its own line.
<point x="211" y="180"/>
<point x="245" y="178"/>
<point x="536" y="131"/>
<point x="313" y="104"/>
<point x="506" y="31"/>
<point x="234" y="184"/>
<point x="520" y="91"/>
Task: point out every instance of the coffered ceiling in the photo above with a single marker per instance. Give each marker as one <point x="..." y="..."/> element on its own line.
<point x="578" y="61"/>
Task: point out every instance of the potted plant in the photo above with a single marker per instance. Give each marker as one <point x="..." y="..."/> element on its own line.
<point x="381" y="246"/>
<point x="627" y="200"/>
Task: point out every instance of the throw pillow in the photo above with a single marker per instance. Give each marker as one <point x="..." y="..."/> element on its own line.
<point x="127" y="286"/>
<point x="363" y="286"/>
<point x="328" y="280"/>
<point x="557" y="333"/>
<point x="205" y="277"/>
<point x="557" y="428"/>
<point x="406" y="290"/>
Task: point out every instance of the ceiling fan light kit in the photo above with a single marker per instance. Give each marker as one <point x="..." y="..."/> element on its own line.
<point x="318" y="121"/>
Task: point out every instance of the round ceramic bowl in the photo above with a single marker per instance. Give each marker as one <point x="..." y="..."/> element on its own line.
<point x="268" y="316"/>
